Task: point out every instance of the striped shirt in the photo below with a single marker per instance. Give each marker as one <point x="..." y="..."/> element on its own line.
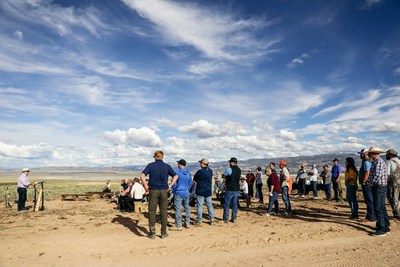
<point x="378" y="173"/>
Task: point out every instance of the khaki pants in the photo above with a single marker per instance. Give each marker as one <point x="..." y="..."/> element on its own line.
<point x="160" y="198"/>
<point x="393" y="195"/>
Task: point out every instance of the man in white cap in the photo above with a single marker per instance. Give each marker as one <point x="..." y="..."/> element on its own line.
<point x="203" y="180"/>
<point x="23" y="184"/>
<point x="363" y="175"/>
<point x="378" y="183"/>
<point x="393" y="195"/>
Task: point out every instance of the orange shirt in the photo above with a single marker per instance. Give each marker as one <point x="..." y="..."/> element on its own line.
<point x="350" y="177"/>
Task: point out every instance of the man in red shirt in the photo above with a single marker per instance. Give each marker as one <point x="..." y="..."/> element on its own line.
<point x="274" y="186"/>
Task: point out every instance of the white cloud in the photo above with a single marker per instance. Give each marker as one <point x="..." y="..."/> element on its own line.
<point x="215" y="33"/>
<point x="285" y="134"/>
<point x="204" y="129"/>
<point x="18" y="34"/>
<point x="143" y="136"/>
<point x="35" y="151"/>
<point x="296" y="62"/>
<point x="368" y="4"/>
<point x="206" y="67"/>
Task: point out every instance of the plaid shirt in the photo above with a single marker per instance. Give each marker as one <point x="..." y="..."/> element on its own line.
<point x="378" y="173"/>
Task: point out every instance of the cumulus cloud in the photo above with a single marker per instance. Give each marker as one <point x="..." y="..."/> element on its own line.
<point x="296" y="62"/>
<point x="204" y="129"/>
<point x="35" y="151"/>
<point x="285" y="134"/>
<point x="143" y="136"/>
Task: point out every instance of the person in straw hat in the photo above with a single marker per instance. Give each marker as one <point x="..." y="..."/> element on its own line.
<point x="378" y="184"/>
<point x="393" y="165"/>
<point x="23" y="184"/>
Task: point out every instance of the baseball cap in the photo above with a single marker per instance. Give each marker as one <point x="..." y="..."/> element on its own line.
<point x="362" y="151"/>
<point x="182" y="162"/>
<point x="233" y="160"/>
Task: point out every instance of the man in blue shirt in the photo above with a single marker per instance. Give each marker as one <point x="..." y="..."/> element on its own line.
<point x="232" y="177"/>
<point x="363" y="175"/>
<point x="158" y="191"/>
<point x="203" y="180"/>
<point x="336" y="179"/>
<point x="181" y="195"/>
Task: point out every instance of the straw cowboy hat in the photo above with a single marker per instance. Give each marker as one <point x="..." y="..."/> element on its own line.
<point x="25" y="170"/>
<point x="375" y="150"/>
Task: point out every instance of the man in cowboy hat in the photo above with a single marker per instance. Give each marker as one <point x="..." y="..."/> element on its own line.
<point x="284" y="179"/>
<point x="363" y="175"/>
<point x="393" y="165"/>
<point x="158" y="191"/>
<point x="232" y="189"/>
<point x="23" y="184"/>
<point x="378" y="183"/>
<point x="203" y="180"/>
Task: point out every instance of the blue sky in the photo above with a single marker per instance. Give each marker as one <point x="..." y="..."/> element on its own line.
<point x="108" y="82"/>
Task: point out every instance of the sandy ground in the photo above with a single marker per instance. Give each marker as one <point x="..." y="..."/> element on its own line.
<point x="80" y="233"/>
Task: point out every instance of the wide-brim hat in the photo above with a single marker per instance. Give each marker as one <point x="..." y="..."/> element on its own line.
<point x="25" y="170"/>
<point x="363" y="151"/>
<point x="242" y="178"/>
<point x="375" y="150"/>
<point x="204" y="161"/>
<point x="392" y="151"/>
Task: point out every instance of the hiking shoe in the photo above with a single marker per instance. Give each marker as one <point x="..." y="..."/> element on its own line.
<point x="175" y="228"/>
<point x="233" y="221"/>
<point x="151" y="236"/>
<point x="187" y="226"/>
<point x="197" y="224"/>
<point x="164" y="236"/>
<point x="378" y="234"/>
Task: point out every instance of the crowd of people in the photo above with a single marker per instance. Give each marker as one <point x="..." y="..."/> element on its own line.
<point x="378" y="180"/>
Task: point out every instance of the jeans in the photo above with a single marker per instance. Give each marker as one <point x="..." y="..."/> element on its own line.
<point x="351" y="195"/>
<point x="369" y="201"/>
<point x="382" y="218"/>
<point x="314" y="188"/>
<point x="216" y="186"/>
<point x="231" y="197"/>
<point x="178" y="202"/>
<point x="302" y="187"/>
<point x="199" y="202"/>
<point x="160" y="198"/>
<point x="286" y="200"/>
<point x="259" y="193"/>
<point x="273" y="200"/>
<point x="327" y="189"/>
<point x="21" y="198"/>
<point x="393" y="195"/>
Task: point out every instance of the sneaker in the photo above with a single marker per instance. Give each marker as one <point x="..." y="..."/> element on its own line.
<point x="22" y="211"/>
<point x="151" y="236"/>
<point x="267" y="214"/>
<point x="211" y="222"/>
<point x="187" y="226"/>
<point x="175" y="228"/>
<point x="233" y="221"/>
<point x="378" y="234"/>
<point x="164" y="236"/>
<point x="225" y="221"/>
<point x="315" y="198"/>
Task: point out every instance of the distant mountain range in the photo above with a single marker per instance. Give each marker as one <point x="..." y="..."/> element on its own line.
<point x="292" y="163"/>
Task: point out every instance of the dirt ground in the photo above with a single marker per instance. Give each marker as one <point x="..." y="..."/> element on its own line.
<point x="81" y="233"/>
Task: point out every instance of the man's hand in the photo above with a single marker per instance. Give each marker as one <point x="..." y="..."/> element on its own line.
<point x="270" y="194"/>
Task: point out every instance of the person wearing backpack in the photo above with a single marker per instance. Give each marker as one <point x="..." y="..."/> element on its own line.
<point x="393" y="165"/>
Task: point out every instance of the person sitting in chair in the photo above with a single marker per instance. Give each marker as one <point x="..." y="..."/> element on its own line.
<point x="244" y="191"/>
<point x="107" y="187"/>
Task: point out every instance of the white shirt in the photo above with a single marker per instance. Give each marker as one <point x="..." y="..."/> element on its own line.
<point x="137" y="191"/>
<point x="23" y="181"/>
<point x="244" y="187"/>
<point x="314" y="176"/>
<point x="391" y="165"/>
